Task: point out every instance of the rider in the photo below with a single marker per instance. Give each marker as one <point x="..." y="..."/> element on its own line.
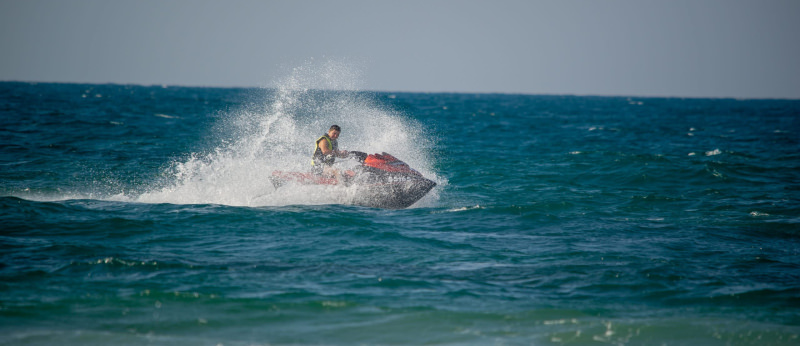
<point x="326" y="151"/>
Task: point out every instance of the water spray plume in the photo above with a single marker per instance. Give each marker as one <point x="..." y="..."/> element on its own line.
<point x="278" y="133"/>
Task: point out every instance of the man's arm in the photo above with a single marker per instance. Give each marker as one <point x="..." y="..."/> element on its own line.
<point x="324" y="148"/>
<point x="327" y="151"/>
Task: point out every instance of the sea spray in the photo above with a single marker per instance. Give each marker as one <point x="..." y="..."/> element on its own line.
<point x="277" y="133"/>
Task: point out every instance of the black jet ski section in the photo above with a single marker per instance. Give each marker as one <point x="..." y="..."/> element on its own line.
<point x="380" y="181"/>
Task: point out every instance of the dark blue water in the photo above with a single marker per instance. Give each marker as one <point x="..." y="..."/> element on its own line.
<point x="144" y="215"/>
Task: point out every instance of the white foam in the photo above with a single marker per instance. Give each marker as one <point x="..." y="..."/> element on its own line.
<point x="278" y="132"/>
<point x="455" y="210"/>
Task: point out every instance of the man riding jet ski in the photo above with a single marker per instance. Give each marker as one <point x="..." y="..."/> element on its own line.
<point x="326" y="150"/>
<point x="380" y="181"/>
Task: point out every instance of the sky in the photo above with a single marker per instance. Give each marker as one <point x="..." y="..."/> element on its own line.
<point x="672" y="48"/>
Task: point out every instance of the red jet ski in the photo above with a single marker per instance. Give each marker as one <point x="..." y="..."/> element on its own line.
<point x="381" y="180"/>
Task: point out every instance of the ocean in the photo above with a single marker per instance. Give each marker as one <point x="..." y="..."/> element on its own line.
<point x="144" y="215"/>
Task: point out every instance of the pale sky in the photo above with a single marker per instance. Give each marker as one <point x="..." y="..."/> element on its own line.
<point x="687" y="48"/>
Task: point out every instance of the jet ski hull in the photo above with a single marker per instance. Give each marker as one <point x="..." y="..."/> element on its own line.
<point x="393" y="195"/>
<point x="381" y="182"/>
<point x="383" y="193"/>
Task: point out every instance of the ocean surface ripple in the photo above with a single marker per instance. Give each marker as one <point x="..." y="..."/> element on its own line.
<point x="144" y="215"/>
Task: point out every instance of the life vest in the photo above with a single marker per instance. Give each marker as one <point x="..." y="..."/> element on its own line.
<point x="319" y="157"/>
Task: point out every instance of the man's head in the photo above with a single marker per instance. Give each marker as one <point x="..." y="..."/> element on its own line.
<point x="334" y="131"/>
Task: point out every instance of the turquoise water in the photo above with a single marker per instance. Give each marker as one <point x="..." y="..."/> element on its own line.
<point x="137" y="215"/>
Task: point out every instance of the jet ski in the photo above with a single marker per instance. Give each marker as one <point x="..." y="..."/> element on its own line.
<point x="380" y="181"/>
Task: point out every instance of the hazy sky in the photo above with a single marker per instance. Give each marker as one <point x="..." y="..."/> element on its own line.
<point x="704" y="48"/>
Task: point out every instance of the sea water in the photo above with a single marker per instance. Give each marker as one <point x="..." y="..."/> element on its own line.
<point x="133" y="215"/>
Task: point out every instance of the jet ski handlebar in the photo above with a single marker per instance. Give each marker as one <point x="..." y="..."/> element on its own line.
<point x="358" y="155"/>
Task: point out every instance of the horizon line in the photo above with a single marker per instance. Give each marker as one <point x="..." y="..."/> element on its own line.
<point x="167" y="85"/>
